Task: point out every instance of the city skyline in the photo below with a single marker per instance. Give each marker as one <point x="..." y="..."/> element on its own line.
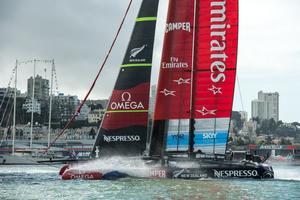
<point x="268" y="59"/>
<point x="265" y="106"/>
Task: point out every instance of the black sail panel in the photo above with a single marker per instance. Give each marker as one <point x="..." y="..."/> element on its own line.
<point x="123" y="130"/>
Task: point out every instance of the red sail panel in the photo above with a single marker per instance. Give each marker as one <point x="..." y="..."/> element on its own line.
<point x="127" y="108"/>
<point x="215" y="58"/>
<point x="174" y="86"/>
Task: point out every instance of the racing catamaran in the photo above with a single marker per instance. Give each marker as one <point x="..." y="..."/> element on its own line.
<point x="194" y="95"/>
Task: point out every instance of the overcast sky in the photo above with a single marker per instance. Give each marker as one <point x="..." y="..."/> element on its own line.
<point x="77" y="34"/>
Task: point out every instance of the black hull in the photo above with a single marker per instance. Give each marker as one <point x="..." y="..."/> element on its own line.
<point x="181" y="169"/>
<point x="213" y="169"/>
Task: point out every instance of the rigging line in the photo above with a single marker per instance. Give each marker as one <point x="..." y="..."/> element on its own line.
<point x="8" y="87"/>
<point x="239" y="88"/>
<point x="9" y="116"/>
<point x="7" y="122"/>
<point x="3" y="116"/>
<point x="94" y="82"/>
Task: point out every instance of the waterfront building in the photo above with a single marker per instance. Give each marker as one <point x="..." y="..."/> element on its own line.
<point x="9" y="92"/>
<point x="244" y="116"/>
<point x="95" y="116"/>
<point x="64" y="106"/>
<point x="258" y="109"/>
<point x="34" y="107"/>
<point x="97" y="104"/>
<point x="41" y="88"/>
<point x="266" y="106"/>
<point x="251" y="127"/>
<point x="84" y="112"/>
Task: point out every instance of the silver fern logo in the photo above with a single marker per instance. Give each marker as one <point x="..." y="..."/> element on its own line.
<point x="134" y="52"/>
<point x="177" y="173"/>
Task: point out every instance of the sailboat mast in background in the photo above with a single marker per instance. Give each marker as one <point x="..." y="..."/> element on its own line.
<point x="50" y="103"/>
<point x="15" y="107"/>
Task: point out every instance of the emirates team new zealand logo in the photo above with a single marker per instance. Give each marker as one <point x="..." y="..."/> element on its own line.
<point x="135" y="52"/>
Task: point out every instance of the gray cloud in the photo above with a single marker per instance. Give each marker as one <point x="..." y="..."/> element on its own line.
<point x="77" y="34"/>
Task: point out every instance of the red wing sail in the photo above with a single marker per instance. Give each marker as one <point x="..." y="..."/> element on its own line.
<point x="214" y="73"/>
<point x="174" y="86"/>
<point x="173" y="103"/>
<point x="197" y="77"/>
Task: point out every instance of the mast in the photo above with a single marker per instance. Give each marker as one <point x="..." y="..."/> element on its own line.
<point x="15" y="108"/>
<point x="32" y="102"/>
<point x="192" y="120"/>
<point x="50" y="103"/>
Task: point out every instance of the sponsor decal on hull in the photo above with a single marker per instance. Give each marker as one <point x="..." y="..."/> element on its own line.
<point x="158" y="173"/>
<point x="235" y="173"/>
<point x="187" y="174"/>
<point x="82" y="176"/>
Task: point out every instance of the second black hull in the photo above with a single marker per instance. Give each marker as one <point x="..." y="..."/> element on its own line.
<point x="213" y="169"/>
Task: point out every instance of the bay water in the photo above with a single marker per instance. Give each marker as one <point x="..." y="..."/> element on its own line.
<point x="43" y="182"/>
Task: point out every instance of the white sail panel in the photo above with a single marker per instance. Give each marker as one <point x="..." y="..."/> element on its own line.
<point x="211" y="135"/>
<point x="178" y="135"/>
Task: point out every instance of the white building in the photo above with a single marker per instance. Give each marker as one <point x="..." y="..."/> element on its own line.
<point x="84" y="112"/>
<point x="32" y="107"/>
<point x="95" y="116"/>
<point x="259" y="109"/>
<point x="266" y="106"/>
<point x="244" y="115"/>
<point x="66" y="105"/>
<point x="9" y="92"/>
<point x="251" y="129"/>
<point x="41" y="88"/>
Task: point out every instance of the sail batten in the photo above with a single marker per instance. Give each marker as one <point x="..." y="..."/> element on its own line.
<point x="137" y="65"/>
<point x="143" y="19"/>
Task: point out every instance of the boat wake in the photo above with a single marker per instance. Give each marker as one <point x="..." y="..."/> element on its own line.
<point x="134" y="167"/>
<point x="287" y="172"/>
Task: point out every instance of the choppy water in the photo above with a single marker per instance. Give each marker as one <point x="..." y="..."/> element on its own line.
<point x="43" y="182"/>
